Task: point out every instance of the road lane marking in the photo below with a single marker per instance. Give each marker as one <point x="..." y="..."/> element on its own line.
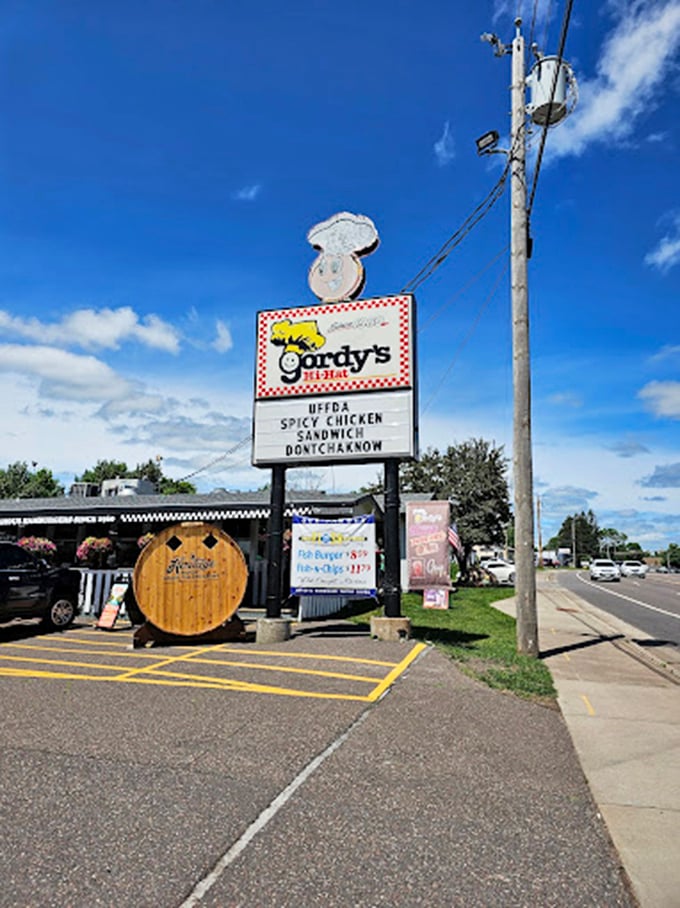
<point x="653" y="608"/>
<point x="589" y="707"/>
<point x="261" y="821"/>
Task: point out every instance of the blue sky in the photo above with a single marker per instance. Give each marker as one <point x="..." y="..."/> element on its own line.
<point x="162" y="162"/>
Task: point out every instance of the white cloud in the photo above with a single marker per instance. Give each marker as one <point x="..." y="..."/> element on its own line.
<point x="669" y="351"/>
<point x="248" y="193"/>
<point x="662" y="398"/>
<point x="566" y="399"/>
<point x="95" y="328"/>
<point x="526" y="9"/>
<point x="444" y="147"/>
<point x="630" y="75"/>
<point x="628" y="448"/>
<point x="62" y="374"/>
<point x="223" y="342"/>
<point x="667" y="253"/>
<point x="665" y="476"/>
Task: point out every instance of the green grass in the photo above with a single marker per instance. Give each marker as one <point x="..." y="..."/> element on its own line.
<point x="479" y="638"/>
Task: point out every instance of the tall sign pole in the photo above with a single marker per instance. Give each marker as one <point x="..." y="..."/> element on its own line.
<point x="525" y="574"/>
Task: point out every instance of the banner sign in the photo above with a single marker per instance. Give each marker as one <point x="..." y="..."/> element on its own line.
<point x="113" y="605"/>
<point x="358" y="345"/>
<point x="336" y="557"/>
<point x="427" y="547"/>
<point x="353" y="428"/>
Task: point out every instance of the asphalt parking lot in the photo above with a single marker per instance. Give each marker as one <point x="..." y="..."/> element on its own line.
<point x="85" y="653"/>
<point x="331" y="769"/>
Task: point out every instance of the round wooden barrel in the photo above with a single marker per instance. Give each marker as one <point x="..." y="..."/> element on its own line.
<point x="190" y="579"/>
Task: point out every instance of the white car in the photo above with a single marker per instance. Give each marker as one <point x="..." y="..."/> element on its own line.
<point x="604" y="569"/>
<point x="501" y="571"/>
<point x="634" y="569"/>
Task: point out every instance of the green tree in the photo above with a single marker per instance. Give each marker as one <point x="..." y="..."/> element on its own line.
<point x="472" y="475"/>
<point x="17" y="481"/>
<point x="176" y="487"/>
<point x="612" y="541"/>
<point x="671" y="557"/>
<point x="585" y="532"/>
<point x="105" y="469"/>
<point x="150" y="470"/>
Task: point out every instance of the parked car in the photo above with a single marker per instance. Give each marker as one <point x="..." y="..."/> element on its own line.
<point x="604" y="569"/>
<point x="662" y="569"/>
<point x="501" y="571"/>
<point x="30" y="588"/>
<point x="634" y="569"/>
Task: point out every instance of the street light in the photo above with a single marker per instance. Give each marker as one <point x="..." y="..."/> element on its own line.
<point x="487" y="143"/>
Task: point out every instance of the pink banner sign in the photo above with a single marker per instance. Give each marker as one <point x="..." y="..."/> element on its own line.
<point x="427" y="547"/>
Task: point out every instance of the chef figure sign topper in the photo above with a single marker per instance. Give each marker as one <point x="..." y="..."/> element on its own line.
<point x="337" y="274"/>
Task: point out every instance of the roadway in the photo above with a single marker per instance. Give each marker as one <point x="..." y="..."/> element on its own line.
<point x="651" y="605"/>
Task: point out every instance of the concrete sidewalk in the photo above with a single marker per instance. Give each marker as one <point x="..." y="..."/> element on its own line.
<point x="624" y="719"/>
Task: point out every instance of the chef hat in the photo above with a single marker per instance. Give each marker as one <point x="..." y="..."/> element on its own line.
<point x="344" y="234"/>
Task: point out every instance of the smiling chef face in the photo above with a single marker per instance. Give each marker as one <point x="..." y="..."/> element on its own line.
<point x="337" y="274"/>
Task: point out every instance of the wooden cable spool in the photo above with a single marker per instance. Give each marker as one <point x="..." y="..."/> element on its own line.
<point x="190" y="579"/>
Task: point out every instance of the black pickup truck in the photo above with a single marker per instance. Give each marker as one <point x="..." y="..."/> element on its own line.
<point x="29" y="588"/>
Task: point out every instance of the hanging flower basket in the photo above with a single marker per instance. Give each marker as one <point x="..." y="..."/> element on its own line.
<point x="38" y="545"/>
<point x="144" y="540"/>
<point x="94" y="550"/>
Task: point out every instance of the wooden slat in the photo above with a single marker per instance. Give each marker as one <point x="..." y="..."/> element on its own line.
<point x="184" y="586"/>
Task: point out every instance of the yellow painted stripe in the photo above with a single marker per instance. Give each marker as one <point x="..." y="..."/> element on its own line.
<point x="288" y="670"/>
<point x="210" y="685"/>
<point x="589" y="707"/>
<point x="227" y="648"/>
<point x="142" y="654"/>
<point x="32" y="660"/>
<point x="247" y="650"/>
<point x="170" y="660"/>
<point x="177" y="679"/>
<point x="566" y="656"/>
<point x="396" y="671"/>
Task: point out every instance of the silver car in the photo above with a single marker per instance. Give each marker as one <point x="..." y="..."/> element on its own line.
<point x="633" y="569"/>
<point x="604" y="569"/>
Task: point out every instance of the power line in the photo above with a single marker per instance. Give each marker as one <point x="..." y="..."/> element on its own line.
<point x="467" y="337"/>
<point x="215" y="460"/>
<point x="544" y="134"/>
<point x="459" y="235"/>
<point x="435" y="315"/>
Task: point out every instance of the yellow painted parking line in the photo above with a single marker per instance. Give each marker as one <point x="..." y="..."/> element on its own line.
<point x="396" y="671"/>
<point x="145" y="654"/>
<point x="160" y="671"/>
<point x="589" y="707"/>
<point x="247" y="649"/>
<point x="170" y="660"/>
<point x="223" y="685"/>
<point x="33" y="660"/>
<point x="287" y="669"/>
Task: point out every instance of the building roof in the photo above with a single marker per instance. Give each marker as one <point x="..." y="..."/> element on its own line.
<point x="216" y="505"/>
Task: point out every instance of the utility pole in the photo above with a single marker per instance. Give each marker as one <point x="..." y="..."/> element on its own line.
<point x="546" y="109"/>
<point x="525" y="586"/>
